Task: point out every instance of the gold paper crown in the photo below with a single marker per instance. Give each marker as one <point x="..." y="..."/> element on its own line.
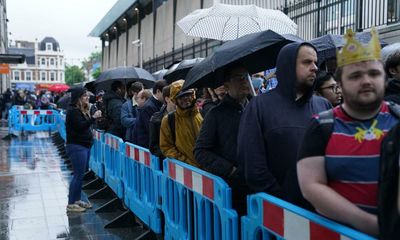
<point x="353" y="51"/>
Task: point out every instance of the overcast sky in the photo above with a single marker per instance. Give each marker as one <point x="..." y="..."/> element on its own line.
<point x="68" y="21"/>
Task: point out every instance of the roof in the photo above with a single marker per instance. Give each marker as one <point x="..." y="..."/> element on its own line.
<point x="42" y="44"/>
<point x="28" y="52"/>
<point x="112" y="16"/>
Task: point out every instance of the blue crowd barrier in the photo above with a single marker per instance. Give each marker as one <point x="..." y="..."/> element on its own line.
<point x="61" y="126"/>
<point x="140" y="181"/>
<point x="270" y="216"/>
<point x="96" y="162"/>
<point x="114" y="159"/>
<point x="33" y="120"/>
<point x="196" y="204"/>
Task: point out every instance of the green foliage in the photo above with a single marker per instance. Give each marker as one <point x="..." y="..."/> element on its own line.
<point x="96" y="73"/>
<point x="73" y="74"/>
<point x="87" y="64"/>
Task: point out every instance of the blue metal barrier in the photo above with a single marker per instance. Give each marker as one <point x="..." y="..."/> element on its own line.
<point x="268" y="215"/>
<point x="196" y="204"/>
<point x="141" y="185"/>
<point x="61" y="126"/>
<point x="33" y="120"/>
<point x="96" y="162"/>
<point x="114" y="159"/>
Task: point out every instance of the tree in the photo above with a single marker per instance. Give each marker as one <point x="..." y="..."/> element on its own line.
<point x="96" y="73"/>
<point x="73" y="74"/>
<point x="87" y="64"/>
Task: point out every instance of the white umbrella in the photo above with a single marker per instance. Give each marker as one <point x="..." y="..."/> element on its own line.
<point x="227" y="22"/>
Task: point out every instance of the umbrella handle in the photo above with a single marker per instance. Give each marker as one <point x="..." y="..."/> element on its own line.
<point x="253" y="93"/>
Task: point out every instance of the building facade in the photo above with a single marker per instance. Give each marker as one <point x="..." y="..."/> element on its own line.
<point x="44" y="64"/>
<point x="150" y="25"/>
<point x="4" y="78"/>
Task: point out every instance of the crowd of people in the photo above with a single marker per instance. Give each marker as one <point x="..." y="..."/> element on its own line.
<point x="313" y="139"/>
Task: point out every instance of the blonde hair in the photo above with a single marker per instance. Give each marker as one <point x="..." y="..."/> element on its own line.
<point x="83" y="107"/>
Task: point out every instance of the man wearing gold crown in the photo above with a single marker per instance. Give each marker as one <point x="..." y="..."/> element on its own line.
<point x="338" y="163"/>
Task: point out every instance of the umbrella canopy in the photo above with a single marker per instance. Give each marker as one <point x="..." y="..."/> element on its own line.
<point x="159" y="75"/>
<point x="179" y="70"/>
<point x="257" y="52"/>
<point x="328" y="44"/>
<point x="126" y="75"/>
<point x="227" y="22"/>
<point x="58" y="87"/>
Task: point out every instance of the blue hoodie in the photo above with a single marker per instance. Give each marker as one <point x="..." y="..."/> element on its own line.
<point x="271" y="128"/>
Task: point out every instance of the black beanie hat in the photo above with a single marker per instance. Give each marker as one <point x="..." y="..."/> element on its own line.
<point x="76" y="93"/>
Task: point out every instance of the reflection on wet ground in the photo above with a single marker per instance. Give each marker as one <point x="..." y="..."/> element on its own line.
<point x="33" y="195"/>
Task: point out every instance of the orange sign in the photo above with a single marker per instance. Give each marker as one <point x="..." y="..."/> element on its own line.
<point x="4" y="68"/>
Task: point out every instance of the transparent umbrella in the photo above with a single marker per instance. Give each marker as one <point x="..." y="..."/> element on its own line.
<point x="227" y="22"/>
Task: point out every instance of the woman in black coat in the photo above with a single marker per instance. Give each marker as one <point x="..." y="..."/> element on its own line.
<point x="79" y="141"/>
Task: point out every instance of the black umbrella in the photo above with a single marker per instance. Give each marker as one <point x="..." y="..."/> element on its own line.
<point x="328" y="44"/>
<point x="179" y="70"/>
<point x="126" y="75"/>
<point x="159" y="75"/>
<point x="256" y="51"/>
<point x="90" y="85"/>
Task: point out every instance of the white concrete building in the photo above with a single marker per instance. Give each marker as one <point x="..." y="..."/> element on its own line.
<point x="44" y="64"/>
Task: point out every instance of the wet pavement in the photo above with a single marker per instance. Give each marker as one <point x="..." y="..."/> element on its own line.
<point x="33" y="195"/>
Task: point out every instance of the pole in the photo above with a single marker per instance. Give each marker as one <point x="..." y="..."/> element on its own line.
<point x="141" y="54"/>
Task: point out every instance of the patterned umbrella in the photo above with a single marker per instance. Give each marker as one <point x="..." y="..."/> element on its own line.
<point x="227" y="22"/>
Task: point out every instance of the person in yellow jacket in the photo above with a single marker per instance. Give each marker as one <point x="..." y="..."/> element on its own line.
<point x="186" y="121"/>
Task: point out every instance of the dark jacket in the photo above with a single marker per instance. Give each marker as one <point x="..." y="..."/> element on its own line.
<point x="271" y="128"/>
<point x="78" y="128"/>
<point x="141" y="129"/>
<point x="392" y="92"/>
<point x="154" y="132"/>
<point x="217" y="143"/>
<point x="113" y="103"/>
<point x="128" y="119"/>
<point x="207" y="106"/>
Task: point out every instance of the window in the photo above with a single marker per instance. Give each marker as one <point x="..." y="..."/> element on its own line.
<point x="52" y="61"/>
<point x="28" y="75"/>
<point x="52" y="76"/>
<point x="49" y="46"/>
<point x="43" y="76"/>
<point x="17" y="75"/>
<point x="61" y="62"/>
<point x="61" y="77"/>
<point x="43" y="61"/>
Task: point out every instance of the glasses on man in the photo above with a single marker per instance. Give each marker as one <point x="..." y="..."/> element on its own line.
<point x="333" y="88"/>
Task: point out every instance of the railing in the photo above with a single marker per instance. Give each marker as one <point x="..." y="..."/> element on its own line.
<point x="21" y="120"/>
<point x="196" y="204"/>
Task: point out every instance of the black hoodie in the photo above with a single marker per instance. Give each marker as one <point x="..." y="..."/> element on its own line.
<point x="392" y="93"/>
<point x="271" y="128"/>
<point x="113" y="103"/>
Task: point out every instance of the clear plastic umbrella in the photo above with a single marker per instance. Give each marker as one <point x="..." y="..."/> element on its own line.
<point x="227" y="22"/>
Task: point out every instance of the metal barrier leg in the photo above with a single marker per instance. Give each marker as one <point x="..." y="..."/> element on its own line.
<point x="97" y="183"/>
<point x="111" y="206"/>
<point x="89" y="176"/>
<point x="103" y="193"/>
<point x="126" y="219"/>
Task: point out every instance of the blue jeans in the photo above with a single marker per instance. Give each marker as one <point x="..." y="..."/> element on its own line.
<point x="79" y="156"/>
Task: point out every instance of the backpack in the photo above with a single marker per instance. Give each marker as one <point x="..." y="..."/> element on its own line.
<point x="388" y="212"/>
<point x="171" y="123"/>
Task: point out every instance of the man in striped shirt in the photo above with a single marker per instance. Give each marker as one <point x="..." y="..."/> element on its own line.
<point x="338" y="170"/>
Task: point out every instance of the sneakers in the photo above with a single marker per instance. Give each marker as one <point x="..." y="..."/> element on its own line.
<point x="83" y="204"/>
<point x="75" y="208"/>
